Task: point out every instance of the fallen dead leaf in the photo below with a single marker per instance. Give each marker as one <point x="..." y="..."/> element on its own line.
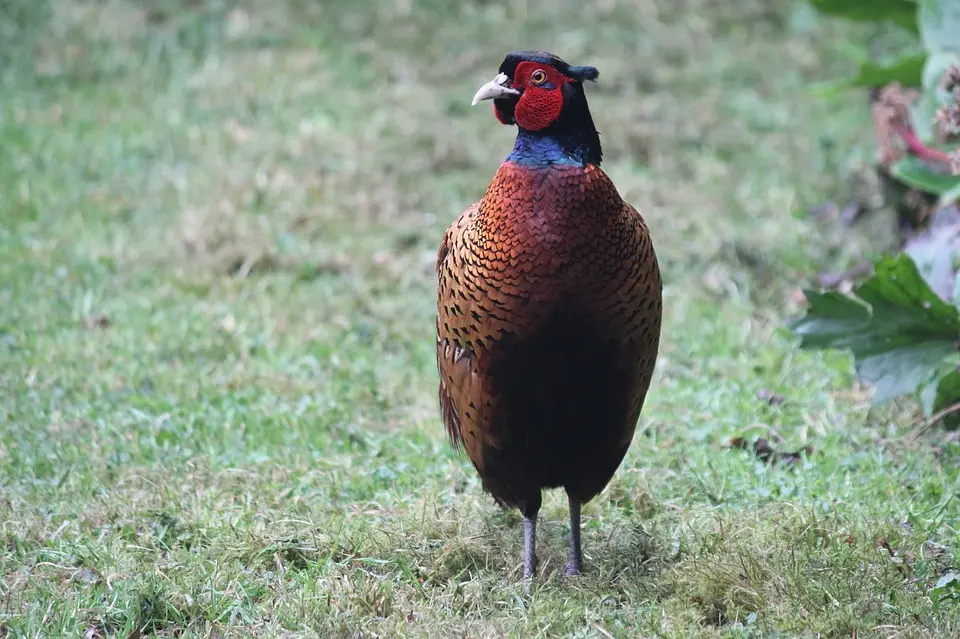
<point x="770" y="397"/>
<point x="96" y="321"/>
<point x="766" y="453"/>
<point x="935" y="549"/>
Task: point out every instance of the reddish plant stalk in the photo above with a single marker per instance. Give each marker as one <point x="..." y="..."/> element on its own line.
<point x="918" y="148"/>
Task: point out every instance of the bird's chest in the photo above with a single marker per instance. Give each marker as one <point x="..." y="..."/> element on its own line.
<point x="547" y="243"/>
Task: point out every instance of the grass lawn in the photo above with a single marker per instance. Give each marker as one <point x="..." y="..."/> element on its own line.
<point x="218" y="411"/>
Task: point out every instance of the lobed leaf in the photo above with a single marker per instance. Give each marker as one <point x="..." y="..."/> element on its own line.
<point x="919" y="174"/>
<point x="899" y="331"/>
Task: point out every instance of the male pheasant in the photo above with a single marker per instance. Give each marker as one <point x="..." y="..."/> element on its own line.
<point x="549" y="305"/>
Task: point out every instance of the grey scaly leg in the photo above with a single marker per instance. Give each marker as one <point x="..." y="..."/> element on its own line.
<point x="529" y="545"/>
<point x="576" y="555"/>
<point x="530" y="508"/>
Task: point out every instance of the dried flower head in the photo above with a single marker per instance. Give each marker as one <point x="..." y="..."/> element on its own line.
<point x="948" y="116"/>
<point x="891" y="110"/>
<point x="897" y="100"/>
<point x="951" y="79"/>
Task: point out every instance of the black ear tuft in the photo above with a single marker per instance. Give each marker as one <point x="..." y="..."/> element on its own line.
<point x="584" y="73"/>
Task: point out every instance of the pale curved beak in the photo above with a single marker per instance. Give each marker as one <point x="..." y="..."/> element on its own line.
<point x="496" y="88"/>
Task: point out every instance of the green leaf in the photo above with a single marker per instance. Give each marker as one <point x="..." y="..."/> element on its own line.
<point x="900" y="12"/>
<point x="933" y="251"/>
<point x="907" y="70"/>
<point x="947" y="587"/>
<point x="899" y="331"/>
<point x="956" y="292"/>
<point x="918" y="174"/>
<point x="922" y="113"/>
<point x="952" y="577"/>
<point x="939" y="24"/>
<point x="948" y="394"/>
<point x="903" y="370"/>
<point x="898" y="294"/>
<point x="949" y="197"/>
<point x="833" y="320"/>
<point x="928" y="397"/>
<point x="936" y="65"/>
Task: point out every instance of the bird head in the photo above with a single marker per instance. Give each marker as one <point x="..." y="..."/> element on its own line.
<point x="536" y="89"/>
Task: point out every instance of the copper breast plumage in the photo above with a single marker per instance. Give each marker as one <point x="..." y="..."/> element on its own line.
<point x="549" y="307"/>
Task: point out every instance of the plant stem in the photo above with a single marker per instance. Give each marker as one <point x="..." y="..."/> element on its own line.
<point x="918" y="148"/>
<point x="936" y="417"/>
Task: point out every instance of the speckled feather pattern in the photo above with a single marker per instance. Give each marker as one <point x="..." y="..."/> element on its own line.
<point x="548" y="327"/>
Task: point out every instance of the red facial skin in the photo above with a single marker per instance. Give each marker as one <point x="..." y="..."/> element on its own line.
<point x="540" y="104"/>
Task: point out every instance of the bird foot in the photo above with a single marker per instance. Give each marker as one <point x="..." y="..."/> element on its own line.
<point x="573" y="569"/>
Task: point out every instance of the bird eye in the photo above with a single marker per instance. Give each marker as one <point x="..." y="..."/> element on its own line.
<point x="538" y="77"/>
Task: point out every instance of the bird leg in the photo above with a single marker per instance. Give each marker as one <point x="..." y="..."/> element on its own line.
<point x="530" y="509"/>
<point x="576" y="555"/>
<point x="529" y="545"/>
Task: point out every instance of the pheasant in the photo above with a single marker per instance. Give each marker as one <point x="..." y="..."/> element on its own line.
<point x="548" y="306"/>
